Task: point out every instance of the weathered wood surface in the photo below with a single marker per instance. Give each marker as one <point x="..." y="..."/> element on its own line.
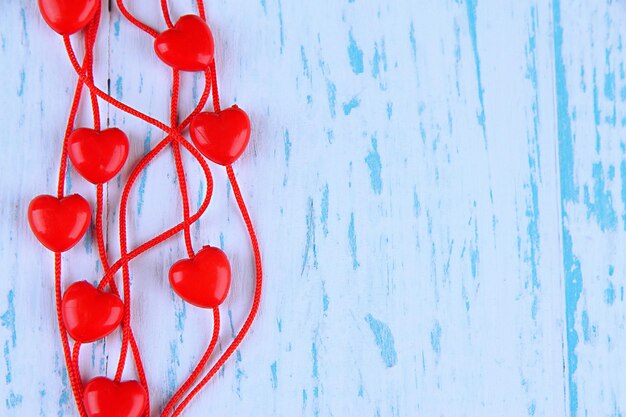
<point x="439" y="190"/>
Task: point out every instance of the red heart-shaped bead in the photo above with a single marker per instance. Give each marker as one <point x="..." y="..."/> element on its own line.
<point x="188" y="46"/>
<point x="203" y="280"/>
<point x="223" y="136"/>
<point x="90" y="314"/>
<point x="68" y="16"/>
<point x="59" y="223"/>
<point x="103" y="397"/>
<point x="98" y="156"/>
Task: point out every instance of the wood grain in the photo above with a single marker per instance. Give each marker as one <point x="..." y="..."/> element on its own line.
<point x="439" y="190"/>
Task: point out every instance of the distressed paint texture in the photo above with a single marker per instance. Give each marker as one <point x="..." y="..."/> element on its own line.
<point x="439" y="190"/>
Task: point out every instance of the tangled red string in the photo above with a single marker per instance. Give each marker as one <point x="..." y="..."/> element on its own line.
<point x="174" y="137"/>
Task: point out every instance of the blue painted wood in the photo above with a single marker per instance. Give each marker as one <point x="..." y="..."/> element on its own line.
<point x="589" y="78"/>
<point x="438" y="189"/>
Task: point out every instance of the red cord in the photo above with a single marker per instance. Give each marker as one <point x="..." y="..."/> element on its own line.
<point x="126" y="257"/>
<point x="73" y="373"/>
<point x="216" y="93"/>
<point x="187" y="232"/>
<point x="201" y="11"/>
<point x="166" y="14"/>
<point x="72" y="362"/>
<point x="198" y="369"/>
<point x="183" y="188"/>
<point x="174" y="137"/>
<point x="259" y="273"/>
<point x="135" y="21"/>
<point x="180" y="169"/>
<point x="255" y="303"/>
<point x="75" y="382"/>
<point x="90" y="39"/>
<point x="127" y="330"/>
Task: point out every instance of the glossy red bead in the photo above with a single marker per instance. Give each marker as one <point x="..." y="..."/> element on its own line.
<point x="68" y="16"/>
<point x="59" y="223"/>
<point x="98" y="156"/>
<point x="103" y="397"/>
<point x="203" y="280"/>
<point x="90" y="314"/>
<point x="223" y="136"/>
<point x="188" y="46"/>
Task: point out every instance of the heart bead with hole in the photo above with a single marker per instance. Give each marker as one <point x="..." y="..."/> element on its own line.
<point x="203" y="280"/>
<point x="221" y="136"/>
<point x="90" y="314"/>
<point x="98" y="156"/>
<point x="59" y="223"/>
<point x="103" y="397"/>
<point x="68" y="16"/>
<point x="188" y="46"/>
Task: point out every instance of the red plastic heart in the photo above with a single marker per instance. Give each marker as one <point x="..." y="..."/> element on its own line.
<point x="223" y="136"/>
<point x="59" y="223"/>
<point x="203" y="280"/>
<point x="188" y="46"/>
<point x="68" y="16"/>
<point x="103" y="397"/>
<point x="90" y="314"/>
<point x="98" y="156"/>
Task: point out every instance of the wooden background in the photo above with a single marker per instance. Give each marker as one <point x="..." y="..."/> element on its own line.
<point x="439" y="189"/>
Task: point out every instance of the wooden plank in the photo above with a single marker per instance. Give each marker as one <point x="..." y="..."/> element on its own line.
<point x="589" y="69"/>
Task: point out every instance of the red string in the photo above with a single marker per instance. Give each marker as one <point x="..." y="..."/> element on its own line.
<point x="255" y="303"/>
<point x="90" y="42"/>
<point x="201" y="11"/>
<point x="180" y="169"/>
<point x="74" y="377"/>
<point x="163" y="236"/>
<point x="135" y="21"/>
<point x="73" y="369"/>
<point x="216" y="93"/>
<point x="166" y="14"/>
<point x="127" y="330"/>
<point x="126" y="257"/>
<point x="182" y="184"/>
<point x="199" y="367"/>
<point x="72" y="362"/>
<point x="259" y="274"/>
<point x="183" y="188"/>
<point x="75" y="382"/>
<point x="174" y="137"/>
